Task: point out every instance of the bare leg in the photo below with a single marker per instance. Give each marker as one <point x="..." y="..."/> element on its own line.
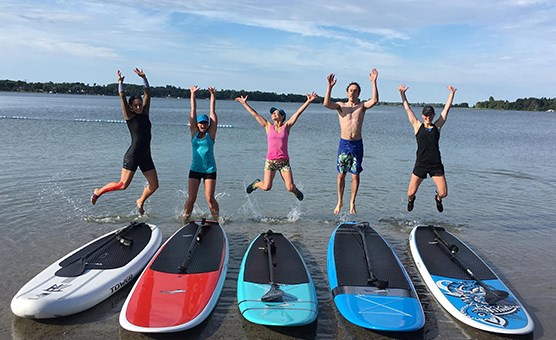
<point x="152" y="185"/>
<point x="210" y="188"/>
<point x="341" y="186"/>
<point x="414" y="184"/>
<point x="287" y="176"/>
<point x="441" y="186"/>
<point x="192" y="189"/>
<point x="354" y="189"/>
<point x="125" y="179"/>
<point x="266" y="183"/>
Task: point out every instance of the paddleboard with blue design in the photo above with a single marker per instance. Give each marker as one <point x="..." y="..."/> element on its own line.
<point x="464" y="285"/>
<point x="288" y="298"/>
<point x="369" y="285"/>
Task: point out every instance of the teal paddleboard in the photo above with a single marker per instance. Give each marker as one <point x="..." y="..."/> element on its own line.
<point x="274" y="286"/>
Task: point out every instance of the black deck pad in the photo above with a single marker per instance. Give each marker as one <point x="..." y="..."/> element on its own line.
<point x="438" y="262"/>
<point x="114" y="254"/>
<point x="288" y="265"/>
<point x="351" y="265"/>
<point x="206" y="257"/>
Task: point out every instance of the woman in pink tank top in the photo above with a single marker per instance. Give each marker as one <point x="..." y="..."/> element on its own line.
<point x="277" y="158"/>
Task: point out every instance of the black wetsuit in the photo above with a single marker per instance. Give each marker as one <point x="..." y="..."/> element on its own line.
<point x="139" y="152"/>
<point x="428" y="153"/>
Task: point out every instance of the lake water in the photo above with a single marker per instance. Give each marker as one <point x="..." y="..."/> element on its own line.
<point x="57" y="148"/>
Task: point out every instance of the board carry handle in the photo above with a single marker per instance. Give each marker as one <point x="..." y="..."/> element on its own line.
<point x="77" y="267"/>
<point x="372" y="280"/>
<point x="492" y="296"/>
<point x="193" y="246"/>
<point x="275" y="294"/>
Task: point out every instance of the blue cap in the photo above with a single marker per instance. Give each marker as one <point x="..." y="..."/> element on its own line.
<point x="282" y="112"/>
<point x="203" y="118"/>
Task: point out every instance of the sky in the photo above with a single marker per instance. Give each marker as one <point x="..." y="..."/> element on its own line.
<point x="500" y="48"/>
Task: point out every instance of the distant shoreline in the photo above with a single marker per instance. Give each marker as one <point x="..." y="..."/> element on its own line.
<point x="170" y="91"/>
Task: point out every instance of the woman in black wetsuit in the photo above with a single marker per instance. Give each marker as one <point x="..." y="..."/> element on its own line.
<point x="428" y="159"/>
<point x="136" y="114"/>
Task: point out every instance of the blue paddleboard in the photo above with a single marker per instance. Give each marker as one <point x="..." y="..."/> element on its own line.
<point x="369" y="285"/>
<point x="274" y="287"/>
<point x="464" y="285"/>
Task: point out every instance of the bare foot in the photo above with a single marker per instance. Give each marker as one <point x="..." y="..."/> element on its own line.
<point x="186" y="217"/>
<point x="352" y="209"/>
<point x="338" y="208"/>
<point x="94" y="197"/>
<point x="140" y="207"/>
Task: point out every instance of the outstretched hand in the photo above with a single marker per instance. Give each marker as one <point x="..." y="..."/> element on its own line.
<point x="331" y="80"/>
<point x="212" y="90"/>
<point x="402" y="88"/>
<point x="452" y="89"/>
<point x="120" y="77"/>
<point x="140" y="72"/>
<point x="373" y="75"/>
<point x="311" y="96"/>
<point x="194" y="89"/>
<point x="241" y="99"/>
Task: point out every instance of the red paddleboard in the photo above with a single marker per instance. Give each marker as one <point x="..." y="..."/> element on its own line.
<point x="181" y="285"/>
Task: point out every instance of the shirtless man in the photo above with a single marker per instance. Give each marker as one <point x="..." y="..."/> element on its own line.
<point x="350" y="151"/>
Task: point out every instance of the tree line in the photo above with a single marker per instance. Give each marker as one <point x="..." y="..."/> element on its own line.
<point x="525" y="104"/>
<point x="156" y="91"/>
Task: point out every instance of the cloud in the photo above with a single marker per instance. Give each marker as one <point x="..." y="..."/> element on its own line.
<point x="482" y="45"/>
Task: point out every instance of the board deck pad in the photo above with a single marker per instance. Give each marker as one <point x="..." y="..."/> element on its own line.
<point x="439" y="263"/>
<point x="351" y="266"/>
<point x="460" y="294"/>
<point x="388" y="304"/>
<point x="298" y="304"/>
<point x="203" y="259"/>
<point x="114" y="254"/>
<point x="288" y="269"/>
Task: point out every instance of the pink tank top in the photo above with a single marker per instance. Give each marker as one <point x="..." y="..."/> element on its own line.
<point x="277" y="144"/>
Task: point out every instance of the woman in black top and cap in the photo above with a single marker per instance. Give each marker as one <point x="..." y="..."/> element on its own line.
<point x="428" y="159"/>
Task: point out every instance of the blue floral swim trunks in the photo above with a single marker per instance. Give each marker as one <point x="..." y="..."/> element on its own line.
<point x="350" y="156"/>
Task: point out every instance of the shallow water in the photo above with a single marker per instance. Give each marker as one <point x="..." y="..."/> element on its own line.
<point x="57" y="148"/>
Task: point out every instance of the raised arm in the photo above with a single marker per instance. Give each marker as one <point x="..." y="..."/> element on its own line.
<point x="410" y="115"/>
<point x="193" y="113"/>
<point x="146" y="91"/>
<point x="326" y="102"/>
<point x="310" y="97"/>
<point x="213" y="117"/>
<point x="126" y="110"/>
<point x="374" y="99"/>
<point x="444" y="115"/>
<point x="243" y="100"/>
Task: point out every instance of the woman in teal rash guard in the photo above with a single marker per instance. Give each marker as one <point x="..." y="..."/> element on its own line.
<point x="428" y="159"/>
<point x="203" y="165"/>
<point x="138" y="155"/>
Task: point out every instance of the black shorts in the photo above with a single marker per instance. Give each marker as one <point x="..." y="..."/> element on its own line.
<point x="132" y="162"/>
<point x="201" y="175"/>
<point x="422" y="171"/>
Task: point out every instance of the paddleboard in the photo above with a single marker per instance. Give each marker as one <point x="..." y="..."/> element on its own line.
<point x="371" y="288"/>
<point x="443" y="260"/>
<point x="180" y="287"/>
<point x="88" y="275"/>
<point x="288" y="298"/>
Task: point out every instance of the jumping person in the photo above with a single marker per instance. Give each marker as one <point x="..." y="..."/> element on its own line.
<point x="138" y="155"/>
<point x="277" y="158"/>
<point x="428" y="159"/>
<point x="203" y="164"/>
<point x="350" y="150"/>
